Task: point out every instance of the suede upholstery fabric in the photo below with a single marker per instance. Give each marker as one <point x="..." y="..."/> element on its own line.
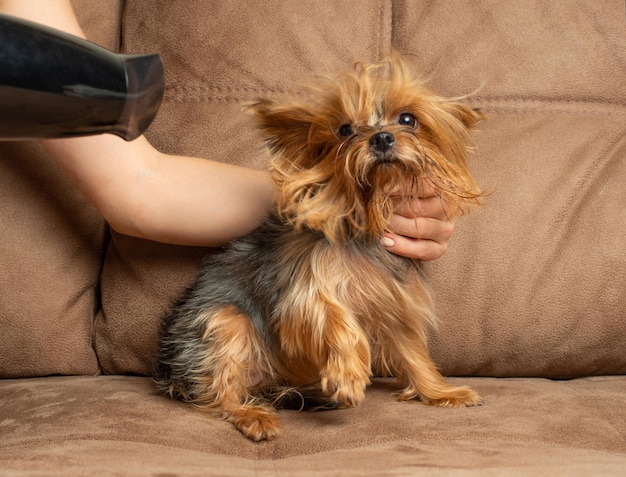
<point x="120" y="427"/>
<point x="51" y="244"/>
<point x="532" y="289"/>
<point x="51" y="247"/>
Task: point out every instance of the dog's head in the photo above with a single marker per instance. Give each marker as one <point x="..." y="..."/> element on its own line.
<point x="347" y="148"/>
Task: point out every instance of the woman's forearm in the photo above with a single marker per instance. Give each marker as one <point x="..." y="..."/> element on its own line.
<point x="57" y="14"/>
<point x="172" y="199"/>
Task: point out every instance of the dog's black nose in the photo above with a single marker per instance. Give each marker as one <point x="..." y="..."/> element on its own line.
<point x="382" y="141"/>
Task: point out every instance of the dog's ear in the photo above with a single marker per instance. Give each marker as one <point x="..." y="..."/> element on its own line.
<point x="283" y="126"/>
<point x="468" y="116"/>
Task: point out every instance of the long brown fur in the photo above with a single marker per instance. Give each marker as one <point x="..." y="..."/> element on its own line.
<point x="311" y="304"/>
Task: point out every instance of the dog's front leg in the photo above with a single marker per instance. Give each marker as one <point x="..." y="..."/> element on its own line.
<point x="345" y="357"/>
<point x="324" y="334"/>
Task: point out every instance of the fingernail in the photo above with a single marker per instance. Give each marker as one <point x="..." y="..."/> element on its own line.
<point x="387" y="242"/>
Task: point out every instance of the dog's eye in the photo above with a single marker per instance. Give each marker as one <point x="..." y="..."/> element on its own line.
<point x="346" y="130"/>
<point x="408" y="120"/>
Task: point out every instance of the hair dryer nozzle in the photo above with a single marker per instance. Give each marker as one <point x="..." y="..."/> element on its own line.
<point x="145" y="82"/>
<point x="57" y="85"/>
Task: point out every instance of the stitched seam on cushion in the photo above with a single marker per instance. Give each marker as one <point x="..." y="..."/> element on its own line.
<point x="536" y="105"/>
<point x="518" y="99"/>
<point x="202" y="92"/>
<point x="196" y="94"/>
<point x="227" y="89"/>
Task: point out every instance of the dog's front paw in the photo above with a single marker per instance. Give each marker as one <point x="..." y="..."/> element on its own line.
<point x="344" y="386"/>
<point x="346" y="393"/>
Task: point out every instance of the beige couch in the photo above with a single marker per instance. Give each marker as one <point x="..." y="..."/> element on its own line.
<point x="531" y="294"/>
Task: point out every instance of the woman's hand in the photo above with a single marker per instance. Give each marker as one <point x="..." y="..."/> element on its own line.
<point x="420" y="227"/>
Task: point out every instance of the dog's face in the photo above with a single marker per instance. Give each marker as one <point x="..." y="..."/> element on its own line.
<point x="347" y="150"/>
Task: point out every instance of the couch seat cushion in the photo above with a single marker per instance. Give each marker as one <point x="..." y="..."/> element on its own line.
<point x="119" y="425"/>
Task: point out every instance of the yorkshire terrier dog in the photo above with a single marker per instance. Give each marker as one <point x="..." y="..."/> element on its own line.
<point x="311" y="304"/>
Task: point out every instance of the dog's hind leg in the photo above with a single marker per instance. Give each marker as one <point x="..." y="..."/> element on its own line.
<point x="234" y="360"/>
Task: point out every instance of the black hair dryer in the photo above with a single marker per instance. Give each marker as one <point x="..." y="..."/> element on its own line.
<point x="53" y="84"/>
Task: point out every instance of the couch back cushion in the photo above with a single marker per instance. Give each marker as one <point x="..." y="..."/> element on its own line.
<point x="51" y="244"/>
<point x="222" y="59"/>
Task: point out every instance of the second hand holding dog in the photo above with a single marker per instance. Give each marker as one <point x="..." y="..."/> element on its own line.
<point x="420" y="225"/>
